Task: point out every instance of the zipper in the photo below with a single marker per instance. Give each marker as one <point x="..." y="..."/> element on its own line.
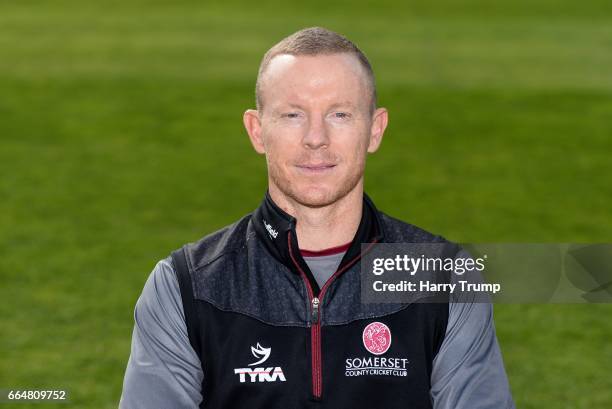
<point x="315" y="317"/>
<point x="317" y="376"/>
<point x="315" y="309"/>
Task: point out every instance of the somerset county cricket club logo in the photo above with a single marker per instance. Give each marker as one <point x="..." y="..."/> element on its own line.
<point x="377" y="338"/>
<point x="260" y="374"/>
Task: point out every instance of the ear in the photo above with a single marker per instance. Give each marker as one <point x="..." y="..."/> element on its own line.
<point x="253" y="128"/>
<point x="380" y="118"/>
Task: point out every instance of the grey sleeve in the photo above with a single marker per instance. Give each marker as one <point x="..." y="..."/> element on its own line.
<point x="468" y="371"/>
<point x="163" y="370"/>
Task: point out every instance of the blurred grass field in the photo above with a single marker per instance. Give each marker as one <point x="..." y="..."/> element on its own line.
<point x="121" y="139"/>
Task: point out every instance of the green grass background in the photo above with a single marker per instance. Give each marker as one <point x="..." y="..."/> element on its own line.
<point x="121" y="139"/>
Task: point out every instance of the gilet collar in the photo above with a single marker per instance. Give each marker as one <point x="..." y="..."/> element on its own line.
<point x="276" y="229"/>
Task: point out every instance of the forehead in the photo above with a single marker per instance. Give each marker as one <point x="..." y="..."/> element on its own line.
<point x="334" y="78"/>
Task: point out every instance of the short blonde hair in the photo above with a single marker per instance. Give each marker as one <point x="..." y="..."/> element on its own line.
<point x="315" y="41"/>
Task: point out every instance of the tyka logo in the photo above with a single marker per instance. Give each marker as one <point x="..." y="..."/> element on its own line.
<point x="273" y="233"/>
<point x="260" y="374"/>
<point x="262" y="352"/>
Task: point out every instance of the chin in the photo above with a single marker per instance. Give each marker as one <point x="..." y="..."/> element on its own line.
<point x="315" y="193"/>
<point x="313" y="198"/>
<point x="317" y="196"/>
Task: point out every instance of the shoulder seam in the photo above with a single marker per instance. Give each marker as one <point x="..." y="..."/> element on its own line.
<point x="199" y="268"/>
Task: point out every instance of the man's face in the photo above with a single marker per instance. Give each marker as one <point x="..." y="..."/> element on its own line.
<point x="316" y="126"/>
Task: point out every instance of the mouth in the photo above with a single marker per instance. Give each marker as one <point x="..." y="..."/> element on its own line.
<point x="318" y="168"/>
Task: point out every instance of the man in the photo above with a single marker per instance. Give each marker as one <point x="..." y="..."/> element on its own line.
<point x="266" y="312"/>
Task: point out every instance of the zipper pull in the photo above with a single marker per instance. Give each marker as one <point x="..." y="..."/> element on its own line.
<point x="315" y="310"/>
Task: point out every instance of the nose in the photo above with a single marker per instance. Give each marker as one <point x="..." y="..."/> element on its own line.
<point x="316" y="134"/>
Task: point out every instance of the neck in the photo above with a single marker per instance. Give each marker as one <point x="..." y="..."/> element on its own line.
<point x="327" y="226"/>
